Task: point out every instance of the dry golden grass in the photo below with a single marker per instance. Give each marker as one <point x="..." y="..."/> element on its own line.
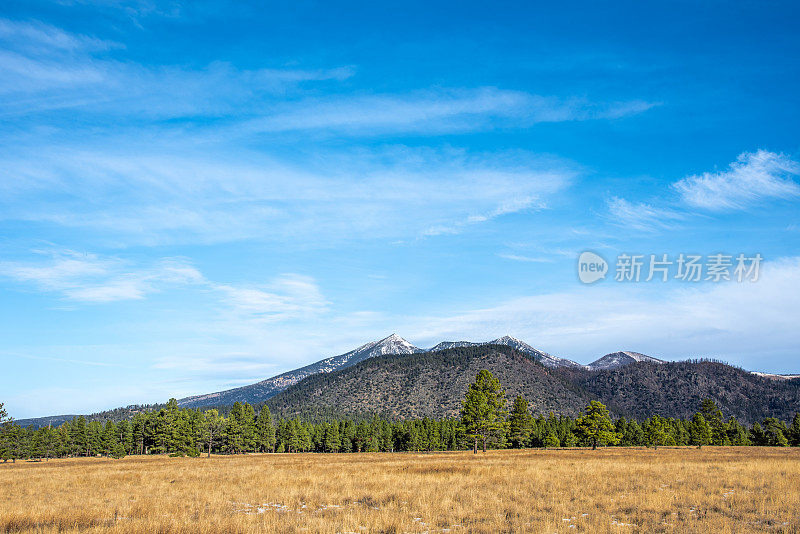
<point x="611" y="490"/>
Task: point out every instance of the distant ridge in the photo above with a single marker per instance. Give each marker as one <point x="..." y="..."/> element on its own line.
<point x="594" y="379"/>
<point x="393" y="344"/>
<point x="618" y="359"/>
<point x="444" y="345"/>
<point x="265" y="389"/>
<point x="545" y="359"/>
<point x="430" y="384"/>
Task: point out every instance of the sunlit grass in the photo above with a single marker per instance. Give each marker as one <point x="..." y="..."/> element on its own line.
<point x="609" y="490"/>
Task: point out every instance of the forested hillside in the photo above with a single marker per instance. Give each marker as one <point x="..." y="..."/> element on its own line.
<point x="190" y="432"/>
<point x="430" y="384"/>
<point x="674" y="390"/>
<point x="117" y="414"/>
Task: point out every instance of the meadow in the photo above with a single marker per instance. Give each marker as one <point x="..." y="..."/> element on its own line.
<point x="730" y="489"/>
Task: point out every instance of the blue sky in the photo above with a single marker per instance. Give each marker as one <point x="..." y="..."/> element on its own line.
<point x="198" y="195"/>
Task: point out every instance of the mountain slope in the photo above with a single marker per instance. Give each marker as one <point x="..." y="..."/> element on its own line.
<point x="548" y="360"/>
<point x="430" y="384"/>
<point x="394" y="344"/>
<point x="117" y="414"/>
<point x="619" y="359"/>
<point x="451" y="345"/>
<point x="261" y="391"/>
<point x="676" y="389"/>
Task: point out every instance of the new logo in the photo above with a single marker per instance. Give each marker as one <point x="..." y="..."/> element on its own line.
<point x="591" y="267"/>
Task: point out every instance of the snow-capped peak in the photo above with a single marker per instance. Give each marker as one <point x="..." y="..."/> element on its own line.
<point x="394" y="344"/>
<point x="507" y="340"/>
<point x="639" y="357"/>
<point x="620" y="359"/>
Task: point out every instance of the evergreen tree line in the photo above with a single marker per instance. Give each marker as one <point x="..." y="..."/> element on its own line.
<point x="484" y="421"/>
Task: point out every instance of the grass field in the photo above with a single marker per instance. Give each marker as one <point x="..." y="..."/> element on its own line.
<point x="610" y="490"/>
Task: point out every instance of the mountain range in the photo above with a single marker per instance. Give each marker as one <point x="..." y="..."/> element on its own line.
<point x="393" y="377"/>
<point x="432" y="384"/>
<point x="393" y="344"/>
<point x="261" y="391"/>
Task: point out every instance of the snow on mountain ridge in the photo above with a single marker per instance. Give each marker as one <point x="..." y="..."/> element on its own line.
<point x="263" y="390"/>
<point x="392" y="344"/>
<point x="773" y="376"/>
<point x="451" y="345"/>
<point x="548" y="360"/>
<point x="621" y="358"/>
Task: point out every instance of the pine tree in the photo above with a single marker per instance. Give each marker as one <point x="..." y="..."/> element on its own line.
<point x="737" y="434"/>
<point x="520" y="423"/>
<point x="551" y="440"/>
<point x="177" y="429"/>
<point x="110" y="440"/>
<point x="234" y="430"/>
<point x="595" y="426"/>
<point x="331" y="440"/>
<point x="265" y="430"/>
<point x="655" y="431"/>
<point x="681" y="431"/>
<point x="713" y="415"/>
<point x="757" y="436"/>
<point x="631" y="433"/>
<point x="305" y="437"/>
<point x="361" y="439"/>
<point x="699" y="431"/>
<point x="125" y="436"/>
<point x="794" y="431"/>
<point x="348" y="433"/>
<point x="248" y="424"/>
<point x="386" y="436"/>
<point x="5" y="434"/>
<point x="80" y="437"/>
<point x="212" y="427"/>
<point x="775" y="433"/>
<point x="94" y="431"/>
<point x="483" y="411"/>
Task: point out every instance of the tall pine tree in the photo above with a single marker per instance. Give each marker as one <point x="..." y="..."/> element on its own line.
<point x="595" y="426"/>
<point x="520" y="423"/>
<point x="483" y="412"/>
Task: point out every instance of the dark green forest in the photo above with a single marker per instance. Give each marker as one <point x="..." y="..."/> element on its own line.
<point x="191" y="432"/>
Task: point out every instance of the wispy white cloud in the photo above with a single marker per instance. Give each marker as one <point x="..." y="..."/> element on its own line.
<point x="39" y="38"/>
<point x="679" y="322"/>
<point x="84" y="277"/>
<point x="290" y="296"/>
<point x="228" y="364"/>
<point x="47" y="68"/>
<point x="506" y="207"/>
<point x="754" y="177"/>
<point x="642" y="216"/>
<point x="134" y="9"/>
<point x="436" y="112"/>
<point x="393" y="192"/>
<point x="89" y="278"/>
<point x="91" y="363"/>
<point x="44" y="68"/>
<point x="525" y="259"/>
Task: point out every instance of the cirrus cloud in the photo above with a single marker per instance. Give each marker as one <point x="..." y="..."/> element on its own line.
<point x="752" y="178"/>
